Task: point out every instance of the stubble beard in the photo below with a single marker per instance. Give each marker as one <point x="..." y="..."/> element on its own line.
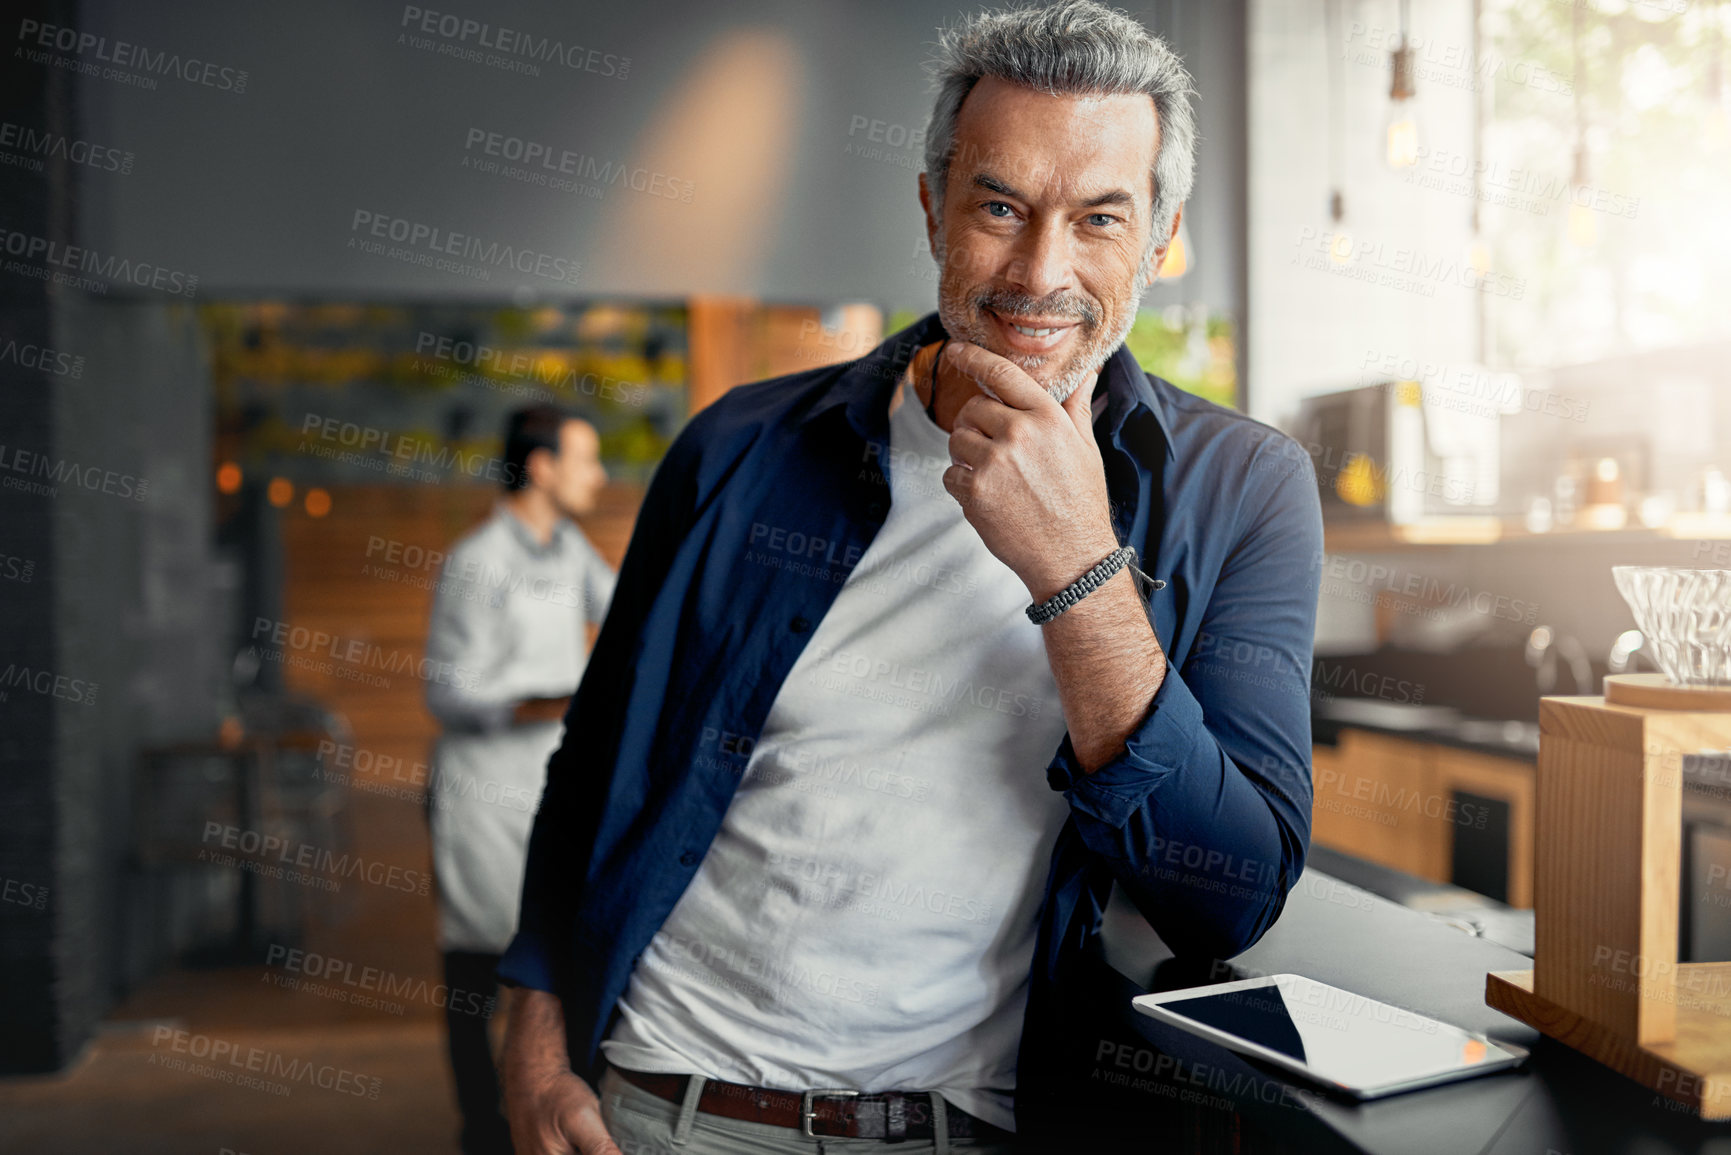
<point x="962" y="317"/>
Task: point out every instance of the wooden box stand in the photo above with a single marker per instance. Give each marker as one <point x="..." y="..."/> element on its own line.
<point x="1609" y="811"/>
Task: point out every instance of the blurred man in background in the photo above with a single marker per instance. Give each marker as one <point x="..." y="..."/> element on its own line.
<point x="515" y="601"/>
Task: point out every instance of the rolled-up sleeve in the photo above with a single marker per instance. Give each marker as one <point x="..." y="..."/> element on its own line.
<point x="1204" y="817"/>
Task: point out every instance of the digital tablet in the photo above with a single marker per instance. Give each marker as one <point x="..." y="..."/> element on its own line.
<point x="1344" y="1042"/>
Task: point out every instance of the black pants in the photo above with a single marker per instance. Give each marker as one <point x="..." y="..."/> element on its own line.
<point x="471" y="985"/>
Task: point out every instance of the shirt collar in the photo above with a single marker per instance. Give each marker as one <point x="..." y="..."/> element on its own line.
<point x="525" y="538"/>
<point x="864" y="388"/>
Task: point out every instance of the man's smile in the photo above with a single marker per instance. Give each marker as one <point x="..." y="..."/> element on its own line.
<point x="1032" y="335"/>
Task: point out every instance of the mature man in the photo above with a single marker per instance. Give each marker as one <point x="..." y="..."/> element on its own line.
<point x="880" y="714"/>
<point x="514" y="603"/>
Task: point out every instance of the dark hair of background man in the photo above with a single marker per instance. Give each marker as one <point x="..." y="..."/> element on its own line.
<point x="526" y="430"/>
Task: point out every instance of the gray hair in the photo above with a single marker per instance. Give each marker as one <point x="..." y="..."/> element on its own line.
<point x="1074" y="47"/>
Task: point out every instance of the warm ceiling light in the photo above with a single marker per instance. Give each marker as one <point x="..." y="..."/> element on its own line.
<point x="280" y="492"/>
<point x="228" y="478"/>
<point x="318" y="502"/>
<point x="1176" y="262"/>
<point x="1402" y="135"/>
<point x="1582" y="226"/>
<point x="1402" y="110"/>
<point x="1479" y="256"/>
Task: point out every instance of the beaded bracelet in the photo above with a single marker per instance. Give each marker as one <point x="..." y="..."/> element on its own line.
<point x="1088" y="583"/>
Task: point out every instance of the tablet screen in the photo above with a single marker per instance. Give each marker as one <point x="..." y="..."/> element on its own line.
<point x="1341" y="1037"/>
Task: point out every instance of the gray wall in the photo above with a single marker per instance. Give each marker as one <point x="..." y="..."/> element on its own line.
<point x="752" y="106"/>
<point x="36" y="1033"/>
<point x="105" y="528"/>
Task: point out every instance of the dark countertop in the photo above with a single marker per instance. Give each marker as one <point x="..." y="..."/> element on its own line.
<point x="1481" y="697"/>
<point x="1499" y="737"/>
<point x="1332" y="931"/>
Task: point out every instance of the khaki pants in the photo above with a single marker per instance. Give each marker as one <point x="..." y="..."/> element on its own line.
<point x="643" y="1124"/>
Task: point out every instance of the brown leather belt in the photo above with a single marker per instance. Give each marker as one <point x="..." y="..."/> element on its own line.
<point x="888" y="1115"/>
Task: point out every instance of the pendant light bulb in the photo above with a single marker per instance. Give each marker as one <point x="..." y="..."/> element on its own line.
<point x="1402" y="109"/>
<point x="1583" y="226"/>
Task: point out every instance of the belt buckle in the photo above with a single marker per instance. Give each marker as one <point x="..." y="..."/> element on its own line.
<point x="807" y="1116"/>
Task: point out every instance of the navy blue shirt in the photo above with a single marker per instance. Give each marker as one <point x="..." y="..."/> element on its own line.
<point x="1203" y="819"/>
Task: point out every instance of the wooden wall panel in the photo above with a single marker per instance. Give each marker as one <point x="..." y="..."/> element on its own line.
<point x="1371" y="801"/>
<point x="1390" y="800"/>
<point x="736" y="340"/>
<point x="334" y="584"/>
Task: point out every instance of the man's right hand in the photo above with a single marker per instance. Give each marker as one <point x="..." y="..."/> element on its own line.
<point x="551" y="1110"/>
<point x="556" y="1114"/>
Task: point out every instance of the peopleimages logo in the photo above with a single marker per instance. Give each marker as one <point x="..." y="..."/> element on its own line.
<point x="403" y="448"/>
<point x="843" y="886"/>
<point x="544" y="163"/>
<point x="1327" y="461"/>
<point x="1335" y="790"/>
<point x="762" y="971"/>
<point x="275" y="851"/>
<point x="1358" y="573"/>
<point x="78" y="259"/>
<point x="123" y="55"/>
<point x="46" y="683"/>
<point x="895" y="144"/>
<point x="17" y="569"/>
<point x="32" y="142"/>
<point x="1333" y="680"/>
<point x="435" y="247"/>
<point x="928" y="691"/>
<point x="1453" y="64"/>
<point x="42" y="359"/>
<point x="59" y="471"/>
<point x="1469" y="386"/>
<point x="376" y="981"/>
<point x="362" y="654"/>
<point x="1526" y="189"/>
<point x="522" y="366"/>
<point x="1397" y="266"/>
<point x="32" y="895"/>
<point x="272" y="1065"/>
<point x="470" y="578"/>
<point x="460" y="31"/>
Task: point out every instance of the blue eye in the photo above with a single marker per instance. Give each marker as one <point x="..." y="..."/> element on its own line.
<point x="1008" y="211"/>
<point x="1101" y="220"/>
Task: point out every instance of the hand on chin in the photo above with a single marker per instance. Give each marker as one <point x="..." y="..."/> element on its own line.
<point x="1027" y="472"/>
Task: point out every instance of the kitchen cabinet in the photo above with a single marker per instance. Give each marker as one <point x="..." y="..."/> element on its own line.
<point x="1441" y="812"/>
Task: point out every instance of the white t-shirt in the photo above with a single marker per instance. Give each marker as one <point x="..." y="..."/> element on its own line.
<point x="865" y="917"/>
